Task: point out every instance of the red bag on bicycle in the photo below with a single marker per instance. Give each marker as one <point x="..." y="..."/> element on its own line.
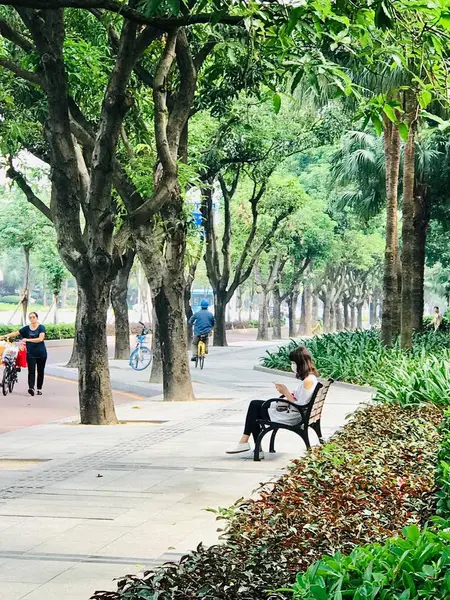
<point x="21" y="358"/>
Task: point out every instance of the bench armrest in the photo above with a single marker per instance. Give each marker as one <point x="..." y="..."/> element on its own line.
<point x="282" y="399"/>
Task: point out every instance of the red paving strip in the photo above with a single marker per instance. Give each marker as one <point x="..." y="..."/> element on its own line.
<point x="59" y="401"/>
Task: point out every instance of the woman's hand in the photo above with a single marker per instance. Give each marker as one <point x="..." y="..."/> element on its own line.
<point x="280" y="387"/>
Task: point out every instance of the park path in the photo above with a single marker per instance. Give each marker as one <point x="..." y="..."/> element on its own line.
<point x="80" y="506"/>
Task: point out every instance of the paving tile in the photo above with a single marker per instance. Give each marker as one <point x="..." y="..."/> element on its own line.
<point x="31" y="571"/>
<point x="83" y="539"/>
<point x="16" y="591"/>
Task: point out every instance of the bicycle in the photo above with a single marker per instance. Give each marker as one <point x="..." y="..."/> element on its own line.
<point x="142" y="356"/>
<point x="201" y="351"/>
<point x="10" y="370"/>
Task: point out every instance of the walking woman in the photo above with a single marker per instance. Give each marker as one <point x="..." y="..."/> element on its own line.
<point x="305" y="370"/>
<point x="33" y="335"/>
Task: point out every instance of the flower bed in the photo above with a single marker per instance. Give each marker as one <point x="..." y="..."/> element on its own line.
<point x="372" y="479"/>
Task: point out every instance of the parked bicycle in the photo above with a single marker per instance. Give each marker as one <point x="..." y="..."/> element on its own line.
<point x="142" y="356"/>
<point x="10" y="369"/>
<point x="201" y="351"/>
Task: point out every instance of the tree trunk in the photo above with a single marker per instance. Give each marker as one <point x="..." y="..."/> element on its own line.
<point x="292" y="310"/>
<point x="390" y="299"/>
<point x="157" y="366"/>
<point x="373" y="310"/>
<point x="220" y="329"/>
<point x="308" y="308"/>
<point x="408" y="258"/>
<point x="250" y="303"/>
<point x="73" y="361"/>
<point x="96" y="401"/>
<point x="276" y="320"/>
<point x="239" y="302"/>
<point x="119" y="293"/>
<point x="339" y="319"/>
<point x="189" y="313"/>
<point x="332" y="327"/>
<point x="26" y="286"/>
<point x="263" y="323"/>
<point x="314" y="309"/>
<point x="346" y="305"/>
<point x="420" y="237"/>
<point x="326" y="314"/>
<point x="55" y="314"/>
<point x="352" y="317"/>
<point x="302" y="325"/>
<point x="359" y="308"/>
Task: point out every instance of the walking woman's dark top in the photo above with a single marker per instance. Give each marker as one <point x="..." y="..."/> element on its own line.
<point x="34" y="350"/>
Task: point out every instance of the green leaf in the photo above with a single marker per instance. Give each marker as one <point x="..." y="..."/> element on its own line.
<point x="376" y="122"/>
<point x="403" y="130"/>
<point x="425" y="97"/>
<point x="390" y="113"/>
<point x="276" y="103"/>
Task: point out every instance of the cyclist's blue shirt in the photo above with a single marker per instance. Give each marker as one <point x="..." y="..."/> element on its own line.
<point x="203" y="322"/>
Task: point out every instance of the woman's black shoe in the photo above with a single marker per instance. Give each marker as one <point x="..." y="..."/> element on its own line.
<point x="39" y="392"/>
<point x="31" y="391"/>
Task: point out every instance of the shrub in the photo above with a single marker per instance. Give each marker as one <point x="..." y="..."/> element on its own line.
<point x="443" y="470"/>
<point x="373" y="478"/>
<point x="10" y="299"/>
<point x="54" y="332"/>
<point x="415" y="565"/>
<point x="405" y="377"/>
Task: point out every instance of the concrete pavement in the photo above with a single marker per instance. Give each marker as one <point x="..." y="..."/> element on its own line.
<point x="82" y="505"/>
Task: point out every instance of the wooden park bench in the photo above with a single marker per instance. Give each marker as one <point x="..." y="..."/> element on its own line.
<point x="311" y="415"/>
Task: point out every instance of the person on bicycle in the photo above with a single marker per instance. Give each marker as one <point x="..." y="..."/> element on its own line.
<point x="203" y="322"/>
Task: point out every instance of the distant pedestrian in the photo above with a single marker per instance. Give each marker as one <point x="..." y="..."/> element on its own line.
<point x="437" y="318"/>
<point x="33" y="335"/>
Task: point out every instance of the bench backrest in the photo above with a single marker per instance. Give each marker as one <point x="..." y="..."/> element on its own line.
<point x="314" y="412"/>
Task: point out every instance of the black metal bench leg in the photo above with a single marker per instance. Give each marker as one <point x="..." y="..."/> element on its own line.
<point x="318" y="431"/>
<point x="258" y="444"/>
<point x="272" y="441"/>
<point x="305" y="438"/>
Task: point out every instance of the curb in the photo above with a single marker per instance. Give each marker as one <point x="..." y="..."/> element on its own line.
<point x="120" y="386"/>
<point x="342" y="384"/>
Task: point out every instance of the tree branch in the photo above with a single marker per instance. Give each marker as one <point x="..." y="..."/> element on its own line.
<point x="15" y="37"/>
<point x="164" y="23"/>
<point x="20" y="180"/>
<point x="29" y="76"/>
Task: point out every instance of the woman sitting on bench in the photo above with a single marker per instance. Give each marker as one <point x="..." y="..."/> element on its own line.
<point x="305" y="370"/>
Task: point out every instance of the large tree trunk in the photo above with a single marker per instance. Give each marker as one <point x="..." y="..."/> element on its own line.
<point x="420" y="238"/>
<point x="276" y="319"/>
<point x="263" y="324"/>
<point x="94" y="385"/>
<point x="390" y="299"/>
<point x="220" y="329"/>
<point x="352" y="317"/>
<point x="73" y="361"/>
<point x="156" y="375"/>
<point x="332" y="318"/>
<point x="239" y="303"/>
<point x="408" y="257"/>
<point x="302" y="330"/>
<point x="373" y="310"/>
<point x="119" y="294"/>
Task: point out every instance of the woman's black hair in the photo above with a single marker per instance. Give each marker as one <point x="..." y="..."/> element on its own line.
<point x="305" y="365"/>
<point x="34" y="313"/>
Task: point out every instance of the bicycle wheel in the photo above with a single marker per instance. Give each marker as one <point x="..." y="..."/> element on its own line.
<point x="141" y="358"/>
<point x="5" y="382"/>
<point x="12" y="381"/>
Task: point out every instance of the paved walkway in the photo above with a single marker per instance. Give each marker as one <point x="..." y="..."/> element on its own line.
<point x="80" y="505"/>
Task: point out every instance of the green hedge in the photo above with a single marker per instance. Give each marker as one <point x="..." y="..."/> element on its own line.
<point x="406" y="377"/>
<point x="63" y="331"/>
<point x="10" y="299"/>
